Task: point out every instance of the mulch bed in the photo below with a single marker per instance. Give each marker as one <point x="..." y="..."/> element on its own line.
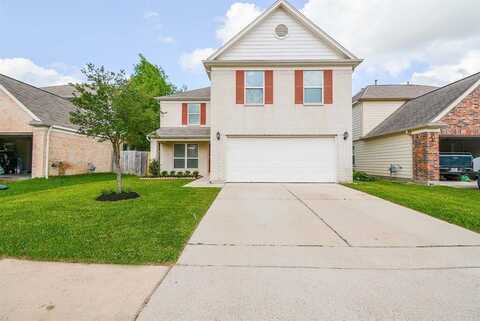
<point x="113" y="197"/>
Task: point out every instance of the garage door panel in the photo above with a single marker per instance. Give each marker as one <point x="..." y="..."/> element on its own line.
<point x="281" y="160"/>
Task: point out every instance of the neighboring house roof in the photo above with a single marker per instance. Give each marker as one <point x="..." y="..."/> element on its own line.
<point x="50" y="109"/>
<point x="182" y="132"/>
<point x="349" y="58"/>
<point x="64" y="91"/>
<point x="201" y="94"/>
<point x="391" y="92"/>
<point x="423" y="111"/>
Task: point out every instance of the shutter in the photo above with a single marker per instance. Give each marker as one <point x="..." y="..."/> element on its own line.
<point x="203" y="113"/>
<point x="240" y="87"/>
<point x="184" y="114"/>
<point x="269" y="87"/>
<point x="298" y="87"/>
<point x="328" y="83"/>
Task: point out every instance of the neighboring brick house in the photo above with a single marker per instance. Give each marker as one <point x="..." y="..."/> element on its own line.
<point x="36" y="134"/>
<point x="411" y="138"/>
<point x="278" y="109"/>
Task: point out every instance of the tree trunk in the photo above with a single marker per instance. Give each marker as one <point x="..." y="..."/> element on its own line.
<point x="118" y="169"/>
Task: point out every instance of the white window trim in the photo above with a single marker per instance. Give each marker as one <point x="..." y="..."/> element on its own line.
<point x="245" y="88"/>
<point x="322" y="87"/>
<point x="199" y="114"/>
<point x="185" y="157"/>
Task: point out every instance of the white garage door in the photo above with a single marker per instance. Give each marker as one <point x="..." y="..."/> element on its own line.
<point x="281" y="160"/>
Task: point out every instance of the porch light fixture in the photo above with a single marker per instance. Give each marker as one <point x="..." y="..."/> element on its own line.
<point x="218" y="135"/>
<point x="345" y="135"/>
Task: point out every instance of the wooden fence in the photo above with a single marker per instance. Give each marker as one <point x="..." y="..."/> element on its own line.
<point x="134" y="162"/>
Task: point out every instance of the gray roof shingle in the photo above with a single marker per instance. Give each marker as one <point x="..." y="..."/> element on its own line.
<point x="64" y="91"/>
<point x="385" y="92"/>
<point x="201" y="94"/>
<point x="422" y="110"/>
<point x="50" y="108"/>
<point x="182" y="132"/>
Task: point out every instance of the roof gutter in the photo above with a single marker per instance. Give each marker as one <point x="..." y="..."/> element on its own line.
<point x="208" y="64"/>
<point x="428" y="126"/>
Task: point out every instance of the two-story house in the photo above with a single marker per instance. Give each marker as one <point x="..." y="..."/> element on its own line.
<point x="278" y="109"/>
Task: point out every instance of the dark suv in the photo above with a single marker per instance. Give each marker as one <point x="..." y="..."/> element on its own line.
<point x="455" y="165"/>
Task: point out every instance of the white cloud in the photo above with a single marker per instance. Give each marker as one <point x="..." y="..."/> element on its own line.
<point x="192" y="61"/>
<point x="166" y="39"/>
<point x="150" y="14"/>
<point x="393" y="36"/>
<point x="26" y="70"/>
<point x="440" y="75"/>
<point x="238" y="16"/>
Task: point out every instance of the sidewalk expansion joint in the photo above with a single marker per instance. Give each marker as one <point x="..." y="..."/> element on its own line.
<point x="335" y="246"/>
<point x="299" y="267"/>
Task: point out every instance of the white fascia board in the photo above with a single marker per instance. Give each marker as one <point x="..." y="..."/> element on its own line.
<point x="456" y="102"/>
<point x="19" y="103"/>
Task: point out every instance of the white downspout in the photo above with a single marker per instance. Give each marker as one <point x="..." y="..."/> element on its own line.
<point x="47" y="147"/>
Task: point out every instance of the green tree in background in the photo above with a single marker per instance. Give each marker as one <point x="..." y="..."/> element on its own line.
<point x="151" y="81"/>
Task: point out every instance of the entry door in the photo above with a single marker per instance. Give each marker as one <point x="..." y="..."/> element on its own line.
<point x="281" y="160"/>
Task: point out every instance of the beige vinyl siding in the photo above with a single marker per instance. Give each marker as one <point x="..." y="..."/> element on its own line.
<point x="260" y="43"/>
<point x="374" y="112"/>
<point x="357" y="121"/>
<point x="375" y="156"/>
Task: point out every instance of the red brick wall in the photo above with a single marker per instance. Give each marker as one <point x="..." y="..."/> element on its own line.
<point x="426" y="159"/>
<point x="464" y="120"/>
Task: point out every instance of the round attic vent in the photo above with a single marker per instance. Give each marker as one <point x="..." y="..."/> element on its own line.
<point x="281" y="31"/>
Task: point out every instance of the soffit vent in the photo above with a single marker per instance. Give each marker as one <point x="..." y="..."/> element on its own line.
<point x="281" y="31"/>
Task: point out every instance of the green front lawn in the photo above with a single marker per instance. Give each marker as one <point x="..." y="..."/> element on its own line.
<point x="457" y="206"/>
<point x="60" y="220"/>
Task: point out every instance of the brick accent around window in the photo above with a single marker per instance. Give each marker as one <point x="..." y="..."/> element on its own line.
<point x="426" y="158"/>
<point x="464" y="119"/>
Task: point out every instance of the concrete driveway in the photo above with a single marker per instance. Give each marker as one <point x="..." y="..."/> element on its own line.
<point x="319" y="252"/>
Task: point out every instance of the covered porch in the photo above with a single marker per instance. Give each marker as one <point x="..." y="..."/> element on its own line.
<point x="182" y="149"/>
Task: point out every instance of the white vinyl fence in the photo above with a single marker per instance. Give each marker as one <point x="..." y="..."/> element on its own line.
<point x="134" y="162"/>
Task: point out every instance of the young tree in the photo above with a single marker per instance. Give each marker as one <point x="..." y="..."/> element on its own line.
<point x="109" y="109"/>
<point x="151" y="81"/>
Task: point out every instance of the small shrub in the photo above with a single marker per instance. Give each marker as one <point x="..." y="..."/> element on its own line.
<point x="172" y="173"/>
<point x="180" y="174"/>
<point x="164" y="173"/>
<point x="195" y="174"/>
<point x="362" y="177"/>
<point x="154" y="168"/>
<point x="188" y="173"/>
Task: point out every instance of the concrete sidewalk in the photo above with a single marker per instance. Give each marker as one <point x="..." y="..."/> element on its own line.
<point x="319" y="252"/>
<point x="40" y="291"/>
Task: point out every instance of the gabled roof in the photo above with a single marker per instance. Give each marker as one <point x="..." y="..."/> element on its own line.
<point x="301" y="19"/>
<point x="45" y="107"/>
<point x="391" y="92"/>
<point x="64" y="91"/>
<point x="425" y="110"/>
<point x="200" y="94"/>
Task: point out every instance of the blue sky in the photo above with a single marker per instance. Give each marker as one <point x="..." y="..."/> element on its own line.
<point x="47" y="42"/>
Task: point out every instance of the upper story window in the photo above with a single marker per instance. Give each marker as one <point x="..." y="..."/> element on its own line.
<point x="254" y="87"/>
<point x="194" y="114"/>
<point x="313" y="87"/>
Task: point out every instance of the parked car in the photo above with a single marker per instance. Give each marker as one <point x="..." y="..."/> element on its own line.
<point x="455" y="165"/>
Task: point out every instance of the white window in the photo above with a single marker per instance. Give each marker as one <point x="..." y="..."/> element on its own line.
<point x="254" y="87"/>
<point x="185" y="156"/>
<point x="194" y="114"/>
<point x="313" y="87"/>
